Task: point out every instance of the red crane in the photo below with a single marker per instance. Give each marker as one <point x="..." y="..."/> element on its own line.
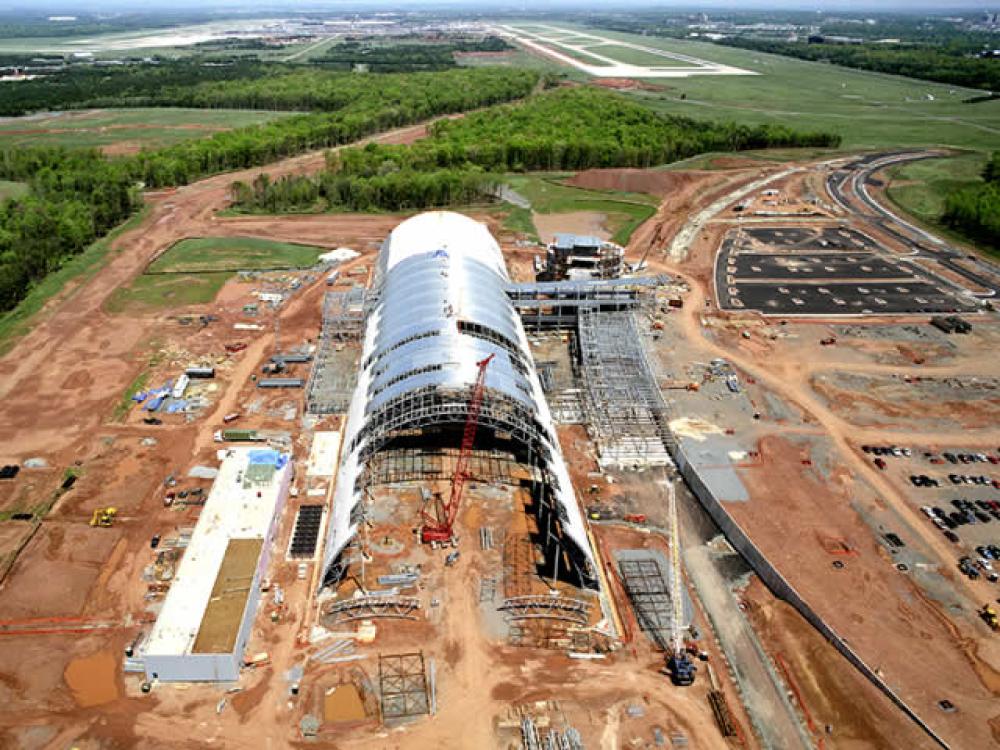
<point x="440" y="529"/>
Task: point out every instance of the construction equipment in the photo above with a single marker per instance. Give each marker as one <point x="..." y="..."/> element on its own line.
<point x="104" y="517"/>
<point x="989" y="616"/>
<point x="679" y="664"/>
<point x="441" y="528"/>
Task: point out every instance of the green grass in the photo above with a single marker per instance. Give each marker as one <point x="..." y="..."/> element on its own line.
<point x="11" y="189"/>
<point x="520" y="220"/>
<point x="637" y="56"/>
<point x="921" y="188"/>
<point x="124" y="405"/>
<point x="138" y="128"/>
<point x="548" y="195"/>
<point x="18" y="321"/>
<point x="151" y="292"/>
<point x="234" y="254"/>
<point x="869" y="110"/>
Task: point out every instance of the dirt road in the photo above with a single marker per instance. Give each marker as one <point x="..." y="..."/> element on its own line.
<point x="74" y="334"/>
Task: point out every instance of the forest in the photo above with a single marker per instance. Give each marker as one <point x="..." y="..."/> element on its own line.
<point x="975" y="211"/>
<point x="404" y="56"/>
<point x="78" y="195"/>
<point x="75" y="197"/>
<point x="564" y="129"/>
<point x="953" y="65"/>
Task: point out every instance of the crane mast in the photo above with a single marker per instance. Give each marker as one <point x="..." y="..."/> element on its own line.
<point x="680" y="665"/>
<point x="441" y="529"/>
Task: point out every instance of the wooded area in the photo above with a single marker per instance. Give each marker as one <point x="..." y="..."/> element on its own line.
<point x="956" y="66"/>
<point x="566" y="129"/>
<point x="975" y="211"/>
<point x="76" y="196"/>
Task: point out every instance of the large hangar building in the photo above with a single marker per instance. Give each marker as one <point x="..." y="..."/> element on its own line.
<point x="439" y="305"/>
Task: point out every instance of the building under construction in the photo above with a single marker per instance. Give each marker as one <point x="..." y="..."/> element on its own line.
<point x="438" y="309"/>
<point x="573" y="256"/>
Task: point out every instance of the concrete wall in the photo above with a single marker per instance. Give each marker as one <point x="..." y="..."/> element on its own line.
<point x="193" y="668"/>
<point x="780" y="587"/>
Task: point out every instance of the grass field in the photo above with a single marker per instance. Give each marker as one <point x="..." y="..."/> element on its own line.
<point x="921" y="188"/>
<point x="11" y="189"/>
<point x="166" y="290"/>
<point x="125" y="130"/>
<point x="209" y="254"/>
<point x="194" y="270"/>
<point x="624" y="211"/>
<point x="869" y="110"/>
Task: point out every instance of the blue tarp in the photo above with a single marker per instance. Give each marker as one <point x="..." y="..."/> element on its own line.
<point x="154" y="404"/>
<point x="139" y="397"/>
<point x="266" y="456"/>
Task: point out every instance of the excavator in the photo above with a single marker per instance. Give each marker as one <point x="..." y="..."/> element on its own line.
<point x="104" y="517"/>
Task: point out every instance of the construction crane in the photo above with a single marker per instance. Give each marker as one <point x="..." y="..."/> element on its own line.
<point x="678" y="662"/>
<point x="441" y="528"/>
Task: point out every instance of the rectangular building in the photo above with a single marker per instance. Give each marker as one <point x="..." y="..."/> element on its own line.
<point x="203" y="628"/>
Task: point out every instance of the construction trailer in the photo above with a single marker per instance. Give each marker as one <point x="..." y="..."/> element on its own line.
<point x="438" y="307"/>
<point x="203" y="627"/>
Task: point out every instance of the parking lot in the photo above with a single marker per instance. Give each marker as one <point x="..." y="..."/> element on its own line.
<point x="823" y="271"/>
<point x="958" y="491"/>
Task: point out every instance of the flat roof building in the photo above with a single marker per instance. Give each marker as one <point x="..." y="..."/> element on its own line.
<point x="207" y="615"/>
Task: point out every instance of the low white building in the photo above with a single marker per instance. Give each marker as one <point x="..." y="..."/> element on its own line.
<point x="203" y="628"/>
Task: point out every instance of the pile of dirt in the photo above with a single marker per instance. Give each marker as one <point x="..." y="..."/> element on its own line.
<point x="626" y="84"/>
<point x="651" y="181"/>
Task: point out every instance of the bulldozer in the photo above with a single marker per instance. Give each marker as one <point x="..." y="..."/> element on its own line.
<point x="989" y="616"/>
<point x="104" y="517"/>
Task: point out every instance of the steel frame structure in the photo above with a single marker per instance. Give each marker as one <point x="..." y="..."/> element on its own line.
<point x="650" y="596"/>
<point x="543" y="606"/>
<point x="403" y="689"/>
<point x="440" y="306"/>
<point x="368" y="607"/>
<point x="627" y="416"/>
<point x="343" y="319"/>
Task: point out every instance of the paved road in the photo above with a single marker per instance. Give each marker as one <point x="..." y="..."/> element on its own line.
<point x="849" y="187"/>
<point x="764" y="694"/>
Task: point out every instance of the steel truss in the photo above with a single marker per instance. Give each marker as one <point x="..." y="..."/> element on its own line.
<point x="543" y="606"/>
<point x="402" y="685"/>
<point x="627" y="415"/>
<point x="557" y="304"/>
<point x="368" y="607"/>
<point x="646" y="587"/>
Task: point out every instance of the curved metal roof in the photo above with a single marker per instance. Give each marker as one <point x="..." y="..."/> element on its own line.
<point x="442" y="306"/>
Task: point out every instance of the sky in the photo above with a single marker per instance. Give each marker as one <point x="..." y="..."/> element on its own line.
<point x="535" y="5"/>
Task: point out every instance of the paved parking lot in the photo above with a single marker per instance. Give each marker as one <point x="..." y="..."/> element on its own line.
<point x="824" y="271"/>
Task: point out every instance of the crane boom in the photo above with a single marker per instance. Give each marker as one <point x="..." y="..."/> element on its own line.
<point x="441" y="529"/>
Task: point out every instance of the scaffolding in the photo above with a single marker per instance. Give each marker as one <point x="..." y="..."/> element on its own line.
<point x="627" y="416"/>
<point x="333" y="376"/>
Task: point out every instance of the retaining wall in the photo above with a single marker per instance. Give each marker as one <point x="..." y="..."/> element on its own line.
<point x="781" y="588"/>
